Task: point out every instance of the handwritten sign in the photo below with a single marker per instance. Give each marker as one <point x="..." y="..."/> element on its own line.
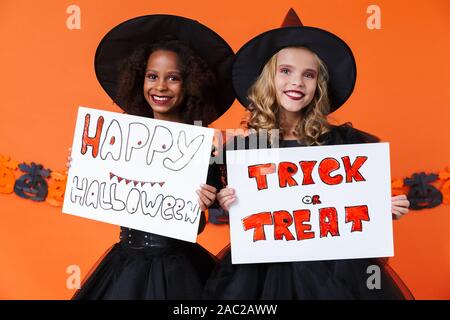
<point x="310" y="203"/>
<point x="138" y="172"/>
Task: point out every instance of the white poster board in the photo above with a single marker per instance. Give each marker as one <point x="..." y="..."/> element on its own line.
<point x="138" y="172"/>
<point x="310" y="203"/>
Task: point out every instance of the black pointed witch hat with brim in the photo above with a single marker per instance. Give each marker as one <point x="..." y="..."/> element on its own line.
<point x="120" y="42"/>
<point x="336" y="54"/>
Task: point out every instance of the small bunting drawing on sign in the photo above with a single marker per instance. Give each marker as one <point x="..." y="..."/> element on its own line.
<point x="135" y="182"/>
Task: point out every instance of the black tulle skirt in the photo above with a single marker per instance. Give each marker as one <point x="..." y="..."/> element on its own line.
<point x="337" y="279"/>
<point x="177" y="270"/>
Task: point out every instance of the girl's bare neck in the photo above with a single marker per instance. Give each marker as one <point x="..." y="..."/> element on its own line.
<point x="174" y="117"/>
<point x="288" y="121"/>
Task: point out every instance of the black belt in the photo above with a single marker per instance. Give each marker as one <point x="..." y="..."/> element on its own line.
<point x="140" y="239"/>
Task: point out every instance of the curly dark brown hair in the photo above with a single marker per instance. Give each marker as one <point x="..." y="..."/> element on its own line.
<point x="199" y="82"/>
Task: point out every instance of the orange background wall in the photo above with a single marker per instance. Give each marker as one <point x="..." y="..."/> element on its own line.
<point x="47" y="71"/>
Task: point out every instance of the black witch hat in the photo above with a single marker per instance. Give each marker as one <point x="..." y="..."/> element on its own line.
<point x="122" y="40"/>
<point x="336" y="54"/>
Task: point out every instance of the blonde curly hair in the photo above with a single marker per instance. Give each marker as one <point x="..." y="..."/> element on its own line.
<point x="264" y="108"/>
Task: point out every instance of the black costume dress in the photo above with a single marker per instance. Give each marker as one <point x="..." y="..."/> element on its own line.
<point x="331" y="279"/>
<point x="148" y="266"/>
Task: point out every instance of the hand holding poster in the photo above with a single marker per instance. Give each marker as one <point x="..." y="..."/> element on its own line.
<point x="137" y="172"/>
<point x="310" y="203"/>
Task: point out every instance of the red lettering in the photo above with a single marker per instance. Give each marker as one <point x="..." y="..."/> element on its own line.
<point x="328" y="221"/>
<point x="259" y="172"/>
<point x="282" y="220"/>
<point x="352" y="170"/>
<point x="327" y="166"/>
<point x="288" y="170"/>
<point x="307" y="168"/>
<point x="356" y="214"/>
<point x="285" y="172"/>
<point x="301" y="229"/>
<point x="316" y="199"/>
<point x="91" y="141"/>
<point x="257" y="221"/>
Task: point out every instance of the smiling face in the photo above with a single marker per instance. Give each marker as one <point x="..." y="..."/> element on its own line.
<point x="295" y="78"/>
<point x="163" y="84"/>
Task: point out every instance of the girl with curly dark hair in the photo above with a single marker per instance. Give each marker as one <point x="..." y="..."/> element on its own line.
<point x="147" y="72"/>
